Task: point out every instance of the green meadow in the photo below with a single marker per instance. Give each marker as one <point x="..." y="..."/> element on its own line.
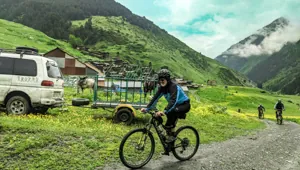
<point x="85" y="138"/>
<point x="247" y="100"/>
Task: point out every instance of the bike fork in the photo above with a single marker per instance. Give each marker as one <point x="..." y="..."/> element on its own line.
<point x="143" y="139"/>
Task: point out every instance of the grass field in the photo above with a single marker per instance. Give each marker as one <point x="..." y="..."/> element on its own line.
<point x="248" y="99"/>
<point x="84" y="138"/>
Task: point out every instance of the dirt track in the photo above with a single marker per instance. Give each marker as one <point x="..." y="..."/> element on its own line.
<point x="276" y="147"/>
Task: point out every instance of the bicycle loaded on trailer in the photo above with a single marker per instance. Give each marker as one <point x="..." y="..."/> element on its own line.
<point x="134" y="152"/>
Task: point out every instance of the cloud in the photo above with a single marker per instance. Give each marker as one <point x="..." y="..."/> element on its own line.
<point x="225" y="22"/>
<point x="180" y="11"/>
<point x="272" y="43"/>
<point x="204" y="43"/>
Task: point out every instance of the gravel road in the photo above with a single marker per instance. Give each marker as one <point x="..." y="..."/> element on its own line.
<point x="276" y="147"/>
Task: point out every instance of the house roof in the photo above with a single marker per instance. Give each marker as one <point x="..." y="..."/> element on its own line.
<point x="91" y="66"/>
<point x="58" y="49"/>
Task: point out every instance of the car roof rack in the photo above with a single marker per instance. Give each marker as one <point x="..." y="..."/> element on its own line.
<point x="27" y="50"/>
<point x="21" y="51"/>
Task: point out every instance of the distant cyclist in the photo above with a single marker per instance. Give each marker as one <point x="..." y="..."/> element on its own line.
<point x="261" y="110"/>
<point x="279" y="106"/>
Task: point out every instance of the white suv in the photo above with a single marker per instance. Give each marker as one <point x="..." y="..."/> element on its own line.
<point x="29" y="82"/>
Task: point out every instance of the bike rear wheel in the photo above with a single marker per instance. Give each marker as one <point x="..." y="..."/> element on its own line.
<point x="186" y="144"/>
<point x="135" y="149"/>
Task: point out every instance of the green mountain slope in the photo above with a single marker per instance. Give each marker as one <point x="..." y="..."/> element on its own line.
<point x="137" y="38"/>
<point x="13" y="35"/>
<point x="54" y="17"/>
<point x="277" y="71"/>
<point x="241" y="57"/>
<point x="117" y="36"/>
<point x="281" y="71"/>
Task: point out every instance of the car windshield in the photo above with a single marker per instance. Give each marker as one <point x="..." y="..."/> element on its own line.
<point x="53" y="70"/>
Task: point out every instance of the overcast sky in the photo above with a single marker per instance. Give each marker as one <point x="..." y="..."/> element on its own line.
<point x="212" y="26"/>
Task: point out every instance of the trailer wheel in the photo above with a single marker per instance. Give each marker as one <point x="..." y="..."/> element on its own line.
<point x="124" y="115"/>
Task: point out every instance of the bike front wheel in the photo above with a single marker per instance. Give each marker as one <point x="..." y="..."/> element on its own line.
<point x="137" y="148"/>
<point x="186" y="144"/>
<point x="279" y="120"/>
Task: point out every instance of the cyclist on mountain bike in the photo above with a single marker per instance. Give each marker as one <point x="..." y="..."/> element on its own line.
<point x="278" y="106"/>
<point x="261" y="110"/>
<point x="178" y="103"/>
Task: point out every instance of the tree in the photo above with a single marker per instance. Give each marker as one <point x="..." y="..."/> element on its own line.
<point x="75" y="41"/>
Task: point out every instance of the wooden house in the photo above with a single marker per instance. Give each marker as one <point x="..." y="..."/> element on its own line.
<point x="69" y="65"/>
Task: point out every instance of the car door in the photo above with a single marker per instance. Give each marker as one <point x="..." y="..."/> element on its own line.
<point x="26" y="78"/>
<point x="6" y="70"/>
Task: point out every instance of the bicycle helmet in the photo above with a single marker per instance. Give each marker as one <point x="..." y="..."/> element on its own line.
<point x="164" y="73"/>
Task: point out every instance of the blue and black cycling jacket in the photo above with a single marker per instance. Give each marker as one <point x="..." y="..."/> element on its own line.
<point x="173" y="94"/>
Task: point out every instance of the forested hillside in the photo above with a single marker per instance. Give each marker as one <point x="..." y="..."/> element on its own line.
<point x="54" y="17"/>
<point x="280" y="72"/>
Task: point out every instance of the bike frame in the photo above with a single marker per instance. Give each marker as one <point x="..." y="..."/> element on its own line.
<point x="260" y="113"/>
<point x="153" y="122"/>
<point x="279" y="112"/>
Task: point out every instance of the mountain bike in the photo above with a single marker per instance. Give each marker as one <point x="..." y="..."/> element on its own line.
<point x="260" y="114"/>
<point x="279" y="116"/>
<point x="138" y="146"/>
